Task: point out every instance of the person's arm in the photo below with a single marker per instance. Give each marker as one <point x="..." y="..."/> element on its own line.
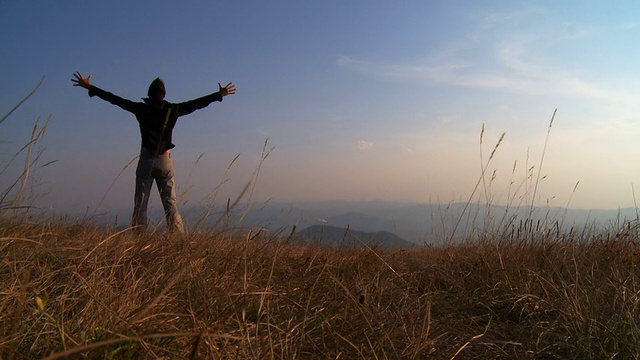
<point x="188" y="107"/>
<point x="85" y="83"/>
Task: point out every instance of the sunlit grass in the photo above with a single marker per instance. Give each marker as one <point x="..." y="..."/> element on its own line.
<point x="73" y="289"/>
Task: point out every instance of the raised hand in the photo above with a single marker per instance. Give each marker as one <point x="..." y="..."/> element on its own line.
<point x="227" y="90"/>
<point x="84" y="82"/>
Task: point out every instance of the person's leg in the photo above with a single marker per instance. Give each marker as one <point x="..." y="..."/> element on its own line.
<point x="166" y="187"/>
<point x="144" y="181"/>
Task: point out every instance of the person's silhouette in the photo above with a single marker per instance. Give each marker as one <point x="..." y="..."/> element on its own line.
<point x="156" y="118"/>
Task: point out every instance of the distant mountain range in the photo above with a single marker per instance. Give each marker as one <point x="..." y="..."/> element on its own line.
<point x="324" y="235"/>
<point x="416" y="223"/>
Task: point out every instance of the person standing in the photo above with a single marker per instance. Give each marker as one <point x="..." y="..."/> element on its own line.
<point x="156" y="119"/>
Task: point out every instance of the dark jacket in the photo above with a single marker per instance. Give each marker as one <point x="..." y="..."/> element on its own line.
<point x="156" y="120"/>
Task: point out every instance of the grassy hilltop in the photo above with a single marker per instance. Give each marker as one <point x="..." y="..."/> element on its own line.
<point x="71" y="289"/>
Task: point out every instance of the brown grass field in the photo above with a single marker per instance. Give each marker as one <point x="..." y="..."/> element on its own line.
<point x="75" y="291"/>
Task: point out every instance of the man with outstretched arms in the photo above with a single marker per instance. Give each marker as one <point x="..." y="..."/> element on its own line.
<point x="156" y="118"/>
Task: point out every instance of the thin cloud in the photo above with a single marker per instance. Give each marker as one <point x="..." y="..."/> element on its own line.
<point x="514" y="74"/>
<point x="365" y="145"/>
<point x="496" y="54"/>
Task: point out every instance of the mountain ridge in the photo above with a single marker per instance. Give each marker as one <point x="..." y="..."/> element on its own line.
<point x="326" y="235"/>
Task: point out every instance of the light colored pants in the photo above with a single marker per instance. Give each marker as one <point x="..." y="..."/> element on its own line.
<point x="160" y="169"/>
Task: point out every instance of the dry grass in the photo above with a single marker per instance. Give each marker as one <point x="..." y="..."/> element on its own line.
<point x="70" y="289"/>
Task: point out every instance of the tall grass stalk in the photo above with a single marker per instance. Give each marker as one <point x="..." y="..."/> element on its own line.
<point x="266" y="151"/>
<point x="4" y="117"/>
<point x="104" y="196"/>
<point x="544" y="150"/>
<point x="209" y="200"/>
<point x="481" y="179"/>
<point x="12" y="197"/>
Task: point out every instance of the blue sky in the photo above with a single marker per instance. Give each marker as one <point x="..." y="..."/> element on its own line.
<point x="360" y="100"/>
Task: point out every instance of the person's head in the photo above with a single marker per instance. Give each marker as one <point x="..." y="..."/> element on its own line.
<point x="156" y="90"/>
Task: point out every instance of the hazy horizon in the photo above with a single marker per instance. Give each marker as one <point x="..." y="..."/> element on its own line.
<point x="359" y="101"/>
